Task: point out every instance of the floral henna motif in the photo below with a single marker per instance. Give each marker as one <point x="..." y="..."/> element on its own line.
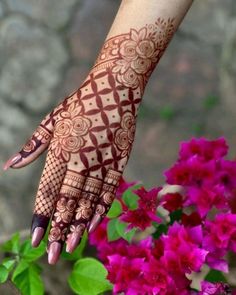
<point x="124" y="137"/>
<point x="69" y="132"/>
<point x="133" y="56"/>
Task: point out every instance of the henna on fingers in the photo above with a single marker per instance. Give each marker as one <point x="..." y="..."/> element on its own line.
<point x="68" y="198"/>
<point x="106" y="198"/>
<point x="84" y="212"/>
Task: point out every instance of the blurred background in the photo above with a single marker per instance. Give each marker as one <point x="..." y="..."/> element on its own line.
<point x="47" y="48"/>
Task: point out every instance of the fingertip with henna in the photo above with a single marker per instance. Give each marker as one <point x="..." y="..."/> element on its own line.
<point x="37" y="236"/>
<point x="72" y="242"/>
<point x="12" y="161"/>
<point x="54" y="253"/>
<point x="94" y="223"/>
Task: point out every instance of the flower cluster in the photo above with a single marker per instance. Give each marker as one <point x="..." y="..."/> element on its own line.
<point x="202" y="233"/>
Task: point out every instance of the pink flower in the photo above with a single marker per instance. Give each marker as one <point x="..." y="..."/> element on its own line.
<point x="123" y="272"/>
<point x="221" y="233"/>
<point x="172" y="201"/>
<point x="156" y="277"/>
<point x="204" y="149"/>
<point x="208" y="288"/>
<point x="191" y="173"/>
<point x="182" y="249"/>
<point x="148" y="199"/>
<point x="145" y="214"/>
<point x="205" y="199"/>
<point x="191" y="220"/>
<point x="123" y="186"/>
<point x="99" y="236"/>
<point x="139" y="218"/>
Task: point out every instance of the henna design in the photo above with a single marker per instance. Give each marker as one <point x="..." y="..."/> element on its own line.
<point x="90" y="134"/>
<point x="86" y="206"/>
<point x="107" y="195"/>
<point x="134" y="55"/>
<point x="66" y="205"/>
<point x="69" y="132"/>
<point x="124" y="137"/>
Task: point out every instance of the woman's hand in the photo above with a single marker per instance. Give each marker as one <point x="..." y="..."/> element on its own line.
<point x="89" y="136"/>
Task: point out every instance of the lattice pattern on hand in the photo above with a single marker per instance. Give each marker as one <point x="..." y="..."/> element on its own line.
<point x="49" y="186"/>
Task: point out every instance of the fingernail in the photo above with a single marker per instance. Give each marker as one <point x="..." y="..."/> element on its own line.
<point x="37" y="236"/>
<point x="54" y="252"/>
<point x="72" y="242"/>
<point x="94" y="223"/>
<point x="12" y="161"/>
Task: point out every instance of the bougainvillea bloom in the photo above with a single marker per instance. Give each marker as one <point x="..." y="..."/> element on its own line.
<point x="203" y="234"/>
<point x="208" y="288"/>
<point x="172" y="201"/>
<point x="204" y="149"/>
<point x="221" y="233"/>
<point x="145" y="214"/>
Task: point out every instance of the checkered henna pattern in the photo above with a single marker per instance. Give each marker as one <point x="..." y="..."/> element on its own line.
<point x="89" y="137"/>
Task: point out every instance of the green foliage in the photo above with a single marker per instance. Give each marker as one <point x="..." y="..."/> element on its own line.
<point x="12" y="246"/>
<point x="3" y="274"/>
<point x="29" y="254"/>
<point x="215" y="276"/>
<point x="115" y="210"/>
<point x="21" y="266"/>
<point x="175" y="216"/>
<point x="77" y="254"/>
<point x="160" y="229"/>
<point x="27" y="279"/>
<point x="89" y="277"/>
<point x="117" y="229"/>
<point x="112" y="233"/>
<point x="130" y="198"/>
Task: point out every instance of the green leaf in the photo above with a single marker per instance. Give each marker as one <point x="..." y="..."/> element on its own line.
<point x="3" y="274"/>
<point x="77" y="254"/>
<point x="13" y="245"/>
<point x="26" y="278"/>
<point x="9" y="263"/>
<point x="89" y="277"/>
<point x="175" y="216"/>
<point x="215" y="276"/>
<point x="115" y="210"/>
<point x="112" y="233"/>
<point x="160" y="229"/>
<point x="130" y="198"/>
<point x="121" y="228"/>
<point x="29" y="253"/>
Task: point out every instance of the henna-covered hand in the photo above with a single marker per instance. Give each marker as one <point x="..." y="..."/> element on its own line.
<point x="89" y="137"/>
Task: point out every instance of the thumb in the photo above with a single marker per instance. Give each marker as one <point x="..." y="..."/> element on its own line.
<point x="33" y="148"/>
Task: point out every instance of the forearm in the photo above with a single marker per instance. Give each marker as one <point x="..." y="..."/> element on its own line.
<point x="138" y="37"/>
<point x="139" y="13"/>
